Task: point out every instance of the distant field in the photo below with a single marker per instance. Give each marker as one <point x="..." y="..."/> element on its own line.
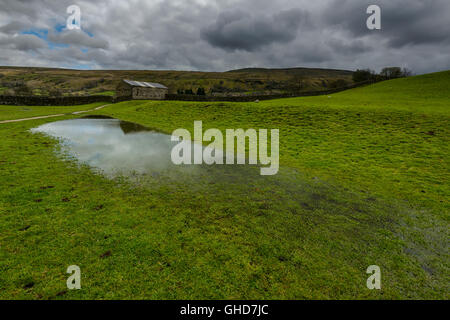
<point x="43" y="80"/>
<point x="363" y="180"/>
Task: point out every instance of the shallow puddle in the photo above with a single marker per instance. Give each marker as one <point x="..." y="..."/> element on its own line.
<point x="117" y="147"/>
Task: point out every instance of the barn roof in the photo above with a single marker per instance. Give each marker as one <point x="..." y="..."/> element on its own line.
<point x="145" y="84"/>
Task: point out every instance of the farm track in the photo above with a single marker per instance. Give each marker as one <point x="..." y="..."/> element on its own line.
<point x="54" y="115"/>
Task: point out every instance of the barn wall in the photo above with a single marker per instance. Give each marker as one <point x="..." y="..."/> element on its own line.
<point x="142" y="93"/>
<point x="123" y="89"/>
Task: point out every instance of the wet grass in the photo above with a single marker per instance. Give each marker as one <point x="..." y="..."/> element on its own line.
<point x="359" y="185"/>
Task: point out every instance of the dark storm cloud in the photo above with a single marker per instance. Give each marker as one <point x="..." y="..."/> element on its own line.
<point x="404" y="22"/>
<point x="219" y="35"/>
<point x="240" y="30"/>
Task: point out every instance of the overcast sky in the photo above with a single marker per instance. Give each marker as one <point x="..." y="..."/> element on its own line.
<point x="219" y="35"/>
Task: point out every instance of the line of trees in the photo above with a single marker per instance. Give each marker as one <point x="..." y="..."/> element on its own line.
<point x="362" y="75"/>
<point x="200" y="91"/>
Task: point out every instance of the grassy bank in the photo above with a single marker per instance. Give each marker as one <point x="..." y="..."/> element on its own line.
<point x="363" y="181"/>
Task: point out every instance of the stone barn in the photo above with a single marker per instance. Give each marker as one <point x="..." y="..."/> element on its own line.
<point x="142" y="90"/>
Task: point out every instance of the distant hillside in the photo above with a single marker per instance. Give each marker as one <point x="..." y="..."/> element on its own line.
<point x="306" y="72"/>
<point x="49" y="81"/>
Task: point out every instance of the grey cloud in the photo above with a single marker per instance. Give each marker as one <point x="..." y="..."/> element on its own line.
<point x="404" y="22"/>
<point x="19" y="7"/>
<point x="240" y="30"/>
<point x="23" y="42"/>
<point x="207" y="35"/>
<point x="28" y="42"/>
<point x="77" y="38"/>
<point x="13" y="27"/>
<point x="349" y="46"/>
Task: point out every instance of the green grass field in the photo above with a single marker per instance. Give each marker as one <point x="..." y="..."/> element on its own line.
<point x="23" y="112"/>
<point x="363" y="180"/>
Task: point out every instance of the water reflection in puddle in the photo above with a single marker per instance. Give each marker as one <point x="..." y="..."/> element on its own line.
<point x="116" y="147"/>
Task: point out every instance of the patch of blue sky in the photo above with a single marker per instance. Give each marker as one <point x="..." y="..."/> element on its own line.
<point x="40" y="33"/>
<point x="60" y="27"/>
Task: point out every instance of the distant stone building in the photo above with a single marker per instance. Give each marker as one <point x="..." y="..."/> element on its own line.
<point x="142" y="90"/>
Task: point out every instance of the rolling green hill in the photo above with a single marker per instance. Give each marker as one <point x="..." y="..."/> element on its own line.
<point x="425" y="93"/>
